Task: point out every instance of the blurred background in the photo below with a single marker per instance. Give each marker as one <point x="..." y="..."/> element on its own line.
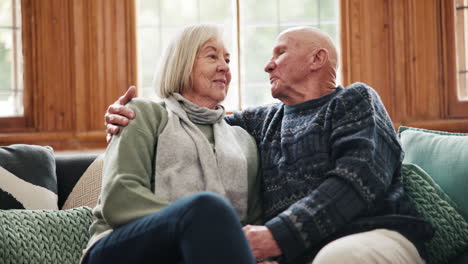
<point x="62" y="62"/>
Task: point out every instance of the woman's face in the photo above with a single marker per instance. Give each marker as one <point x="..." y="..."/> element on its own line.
<point x="210" y="74"/>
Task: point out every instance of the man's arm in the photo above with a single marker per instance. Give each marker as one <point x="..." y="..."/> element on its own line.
<point x="118" y="114"/>
<point x="365" y="155"/>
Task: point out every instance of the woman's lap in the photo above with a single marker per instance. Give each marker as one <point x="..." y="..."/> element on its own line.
<point x="201" y="228"/>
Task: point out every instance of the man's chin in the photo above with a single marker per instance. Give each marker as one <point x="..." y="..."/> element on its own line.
<point x="274" y="92"/>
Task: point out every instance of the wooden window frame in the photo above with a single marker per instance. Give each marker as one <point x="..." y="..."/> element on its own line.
<point x="455" y="108"/>
<point x="20" y="123"/>
<point x="79" y="56"/>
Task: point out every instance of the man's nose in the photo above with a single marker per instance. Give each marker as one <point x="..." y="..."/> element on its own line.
<point x="270" y="66"/>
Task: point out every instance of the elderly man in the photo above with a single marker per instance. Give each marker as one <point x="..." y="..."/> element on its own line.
<point x="331" y="161"/>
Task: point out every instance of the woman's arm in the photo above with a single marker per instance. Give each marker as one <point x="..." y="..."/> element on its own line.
<point x="128" y="171"/>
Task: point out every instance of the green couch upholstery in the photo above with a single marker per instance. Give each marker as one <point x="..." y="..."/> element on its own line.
<point x="440" y="161"/>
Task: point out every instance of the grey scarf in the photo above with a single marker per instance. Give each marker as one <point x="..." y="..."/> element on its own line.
<point x="187" y="163"/>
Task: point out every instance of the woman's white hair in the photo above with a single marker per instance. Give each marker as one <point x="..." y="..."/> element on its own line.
<point x="175" y="68"/>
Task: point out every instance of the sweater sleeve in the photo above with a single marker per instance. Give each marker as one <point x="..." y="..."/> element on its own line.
<point x="128" y="168"/>
<point x="364" y="155"/>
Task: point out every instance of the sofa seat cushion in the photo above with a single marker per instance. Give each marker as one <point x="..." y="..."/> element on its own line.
<point x="444" y="156"/>
<point x="27" y="177"/>
<point x="43" y="236"/>
<point x="451" y="229"/>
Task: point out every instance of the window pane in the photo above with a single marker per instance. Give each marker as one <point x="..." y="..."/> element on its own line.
<point x="157" y="26"/>
<point x="11" y="93"/>
<point x="301" y="11"/>
<point x="259" y="31"/>
<point x="218" y="12"/>
<point x="328" y="11"/>
<point x="186" y="12"/>
<point x="462" y="47"/>
<point x="5" y="61"/>
<point x="5" y="13"/>
<point x="149" y="52"/>
<point x="256" y="47"/>
<point x="148" y="15"/>
<point x="259" y="24"/>
<point x="258" y="11"/>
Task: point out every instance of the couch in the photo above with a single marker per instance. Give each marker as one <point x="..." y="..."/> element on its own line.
<point x="37" y="232"/>
<point x="435" y="176"/>
<point x="435" y="173"/>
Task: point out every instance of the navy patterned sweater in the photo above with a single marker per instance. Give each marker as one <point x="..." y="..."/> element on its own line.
<point x="331" y="167"/>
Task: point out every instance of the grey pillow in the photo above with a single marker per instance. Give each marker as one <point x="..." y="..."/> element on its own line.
<point x="27" y="177"/>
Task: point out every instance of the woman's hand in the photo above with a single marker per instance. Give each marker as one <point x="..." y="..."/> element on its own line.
<point x="118" y="114"/>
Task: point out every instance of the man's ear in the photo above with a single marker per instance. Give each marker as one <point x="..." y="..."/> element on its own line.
<point x="318" y="59"/>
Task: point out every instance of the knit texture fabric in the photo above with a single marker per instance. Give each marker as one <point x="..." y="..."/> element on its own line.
<point x="190" y="164"/>
<point x="42" y="236"/>
<point x="451" y="235"/>
<point x="327" y="163"/>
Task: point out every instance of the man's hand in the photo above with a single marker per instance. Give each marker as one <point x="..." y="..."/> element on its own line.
<point x="261" y="241"/>
<point x="118" y="114"/>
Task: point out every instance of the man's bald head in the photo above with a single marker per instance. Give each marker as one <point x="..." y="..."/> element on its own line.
<point x="312" y="38"/>
<point x="302" y="66"/>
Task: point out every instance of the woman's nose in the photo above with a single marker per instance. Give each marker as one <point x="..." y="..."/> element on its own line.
<point x="223" y="66"/>
<point x="270" y="66"/>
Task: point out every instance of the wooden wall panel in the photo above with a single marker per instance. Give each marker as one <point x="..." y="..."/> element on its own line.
<point x="400" y="77"/>
<point x="398" y="48"/>
<point x="79" y="57"/>
<point x="365" y="46"/>
<point x="107" y="69"/>
<point x="50" y="23"/>
<point x="425" y="67"/>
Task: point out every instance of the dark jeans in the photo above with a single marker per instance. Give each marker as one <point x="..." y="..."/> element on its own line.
<point x="201" y="228"/>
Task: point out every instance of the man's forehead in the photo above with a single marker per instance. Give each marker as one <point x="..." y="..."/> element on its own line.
<point x="285" y="40"/>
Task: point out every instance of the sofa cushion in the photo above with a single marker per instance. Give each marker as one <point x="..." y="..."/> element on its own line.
<point x="442" y="155"/>
<point x="87" y="189"/>
<point x="27" y="177"/>
<point x="43" y="236"/>
<point x="451" y="229"/>
<point x="70" y="168"/>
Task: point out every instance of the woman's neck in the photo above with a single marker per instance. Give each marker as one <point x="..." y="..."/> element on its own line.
<point x="200" y="100"/>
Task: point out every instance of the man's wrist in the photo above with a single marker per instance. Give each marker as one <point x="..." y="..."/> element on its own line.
<point x="291" y="245"/>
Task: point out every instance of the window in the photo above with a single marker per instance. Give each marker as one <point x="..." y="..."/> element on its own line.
<point x="11" y="84"/>
<point x="461" y="35"/>
<point x="251" y="27"/>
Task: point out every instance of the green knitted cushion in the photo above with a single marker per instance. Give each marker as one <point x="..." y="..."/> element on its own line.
<point x="43" y="236"/>
<point x="442" y="155"/>
<point x="451" y="235"/>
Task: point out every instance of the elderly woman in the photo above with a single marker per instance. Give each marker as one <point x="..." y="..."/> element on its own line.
<point x="178" y="179"/>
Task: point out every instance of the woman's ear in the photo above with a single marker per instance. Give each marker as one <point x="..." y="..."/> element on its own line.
<point x="318" y="59"/>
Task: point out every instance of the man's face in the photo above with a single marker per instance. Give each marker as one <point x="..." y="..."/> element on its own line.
<point x="288" y="66"/>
